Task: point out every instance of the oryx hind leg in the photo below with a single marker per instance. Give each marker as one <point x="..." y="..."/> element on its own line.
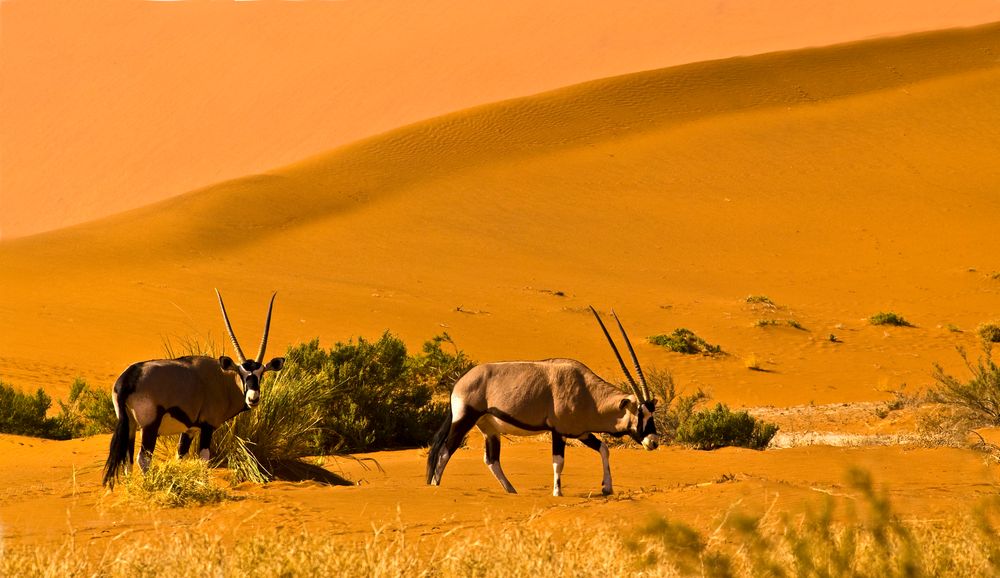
<point x="462" y="422"/>
<point x="492" y="460"/>
<point x="558" y="456"/>
<point x="592" y="442"/>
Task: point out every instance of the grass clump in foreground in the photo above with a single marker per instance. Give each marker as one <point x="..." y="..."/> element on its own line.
<point x="174" y="484"/>
<point x="889" y="318"/>
<point x="685" y="341"/>
<point x="720" y="427"/>
<point x="864" y="539"/>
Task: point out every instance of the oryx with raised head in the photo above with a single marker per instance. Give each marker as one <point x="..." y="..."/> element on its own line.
<point x="561" y="396"/>
<point x="178" y="396"/>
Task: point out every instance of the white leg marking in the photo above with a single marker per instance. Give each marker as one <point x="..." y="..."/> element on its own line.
<point x="606" y="483"/>
<point x="144" y="460"/>
<point x="557" y="468"/>
<point x="205" y="453"/>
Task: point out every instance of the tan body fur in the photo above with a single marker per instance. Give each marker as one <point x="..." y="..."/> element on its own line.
<point x="197" y="384"/>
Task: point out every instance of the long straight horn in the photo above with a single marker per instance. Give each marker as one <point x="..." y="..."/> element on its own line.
<point x="229" y="328"/>
<point x="635" y="388"/>
<point x="635" y="360"/>
<point x="267" y="327"/>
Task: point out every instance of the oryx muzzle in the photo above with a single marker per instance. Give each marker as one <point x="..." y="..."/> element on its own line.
<point x="561" y="396"/>
<point x="177" y="396"/>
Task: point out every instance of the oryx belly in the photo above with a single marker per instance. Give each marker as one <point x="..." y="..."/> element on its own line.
<point x="492" y="425"/>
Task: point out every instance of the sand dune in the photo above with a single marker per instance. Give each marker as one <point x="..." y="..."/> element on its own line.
<point x="113" y="105"/>
<point x="838" y="181"/>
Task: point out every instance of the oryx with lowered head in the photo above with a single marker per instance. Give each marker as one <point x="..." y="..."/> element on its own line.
<point x="177" y="396"/>
<point x="561" y="396"/>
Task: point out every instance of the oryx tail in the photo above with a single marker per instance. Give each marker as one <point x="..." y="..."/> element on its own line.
<point x="122" y="441"/>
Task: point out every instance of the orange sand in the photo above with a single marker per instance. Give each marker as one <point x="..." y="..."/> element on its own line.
<point x="838" y="181"/>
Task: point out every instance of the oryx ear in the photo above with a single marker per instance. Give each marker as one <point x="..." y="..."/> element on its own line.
<point x="227" y="363"/>
<point x="630" y="402"/>
<point x="275" y="364"/>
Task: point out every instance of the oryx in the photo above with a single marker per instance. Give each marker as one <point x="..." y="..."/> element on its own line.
<point x="561" y="396"/>
<point x="171" y="396"/>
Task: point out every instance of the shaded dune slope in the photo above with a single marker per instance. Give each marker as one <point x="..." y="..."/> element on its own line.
<point x="836" y="180"/>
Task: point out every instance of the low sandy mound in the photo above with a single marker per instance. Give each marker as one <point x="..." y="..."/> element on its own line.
<point x="838" y="182"/>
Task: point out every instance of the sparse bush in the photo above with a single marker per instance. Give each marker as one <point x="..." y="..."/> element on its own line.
<point x="977" y="399"/>
<point x="23" y="414"/>
<point x="719" y="427"/>
<point x="772" y="322"/>
<point x="88" y="411"/>
<point x="989" y="332"/>
<point x="685" y="341"/>
<point x="889" y="318"/>
<point x="672" y="409"/>
<point x="273" y="440"/>
<point x="382" y="396"/>
<point x="174" y="484"/>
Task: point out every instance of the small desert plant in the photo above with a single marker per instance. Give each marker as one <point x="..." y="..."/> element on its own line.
<point x="889" y="318"/>
<point x="685" y="341"/>
<point x="719" y="427"/>
<point x="978" y="398"/>
<point x="989" y="332"/>
<point x="772" y="322"/>
<point x="762" y="300"/>
<point x="752" y="362"/>
<point x="438" y="368"/>
<point x="174" y="484"/>
<point x="88" y="411"/>
<point x="24" y="414"/>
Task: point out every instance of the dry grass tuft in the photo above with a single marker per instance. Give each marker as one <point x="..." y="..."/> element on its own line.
<point x="174" y="484"/>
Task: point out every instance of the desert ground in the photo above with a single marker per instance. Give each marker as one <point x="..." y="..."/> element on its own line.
<point x="839" y="170"/>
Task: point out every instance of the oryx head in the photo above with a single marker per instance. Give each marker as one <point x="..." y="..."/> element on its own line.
<point x="641" y="405"/>
<point x="250" y="370"/>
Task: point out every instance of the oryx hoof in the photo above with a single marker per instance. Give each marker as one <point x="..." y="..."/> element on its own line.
<point x="607" y="491"/>
<point x="556" y="493"/>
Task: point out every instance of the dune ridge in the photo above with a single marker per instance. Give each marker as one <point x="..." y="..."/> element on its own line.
<point x="583" y="114"/>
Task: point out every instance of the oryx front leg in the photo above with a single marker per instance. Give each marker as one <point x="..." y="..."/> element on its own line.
<point x="149" y="435"/>
<point x="492" y="460"/>
<point x="183" y="445"/>
<point x="462" y="421"/>
<point x="558" y="456"/>
<point x="592" y="442"/>
<point x="205" y="441"/>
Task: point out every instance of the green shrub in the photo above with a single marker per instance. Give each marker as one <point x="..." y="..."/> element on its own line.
<point x="672" y="409"/>
<point x="25" y="415"/>
<point x="88" y="411"/>
<point x="274" y="440"/>
<point x="978" y="398"/>
<point x="889" y="318"/>
<point x="989" y="332"/>
<point x="760" y="300"/>
<point x="720" y="427"/>
<point x="381" y="396"/>
<point x="685" y="341"/>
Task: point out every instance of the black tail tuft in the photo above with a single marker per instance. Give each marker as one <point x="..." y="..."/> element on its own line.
<point x="437" y="443"/>
<point x="118" y="453"/>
